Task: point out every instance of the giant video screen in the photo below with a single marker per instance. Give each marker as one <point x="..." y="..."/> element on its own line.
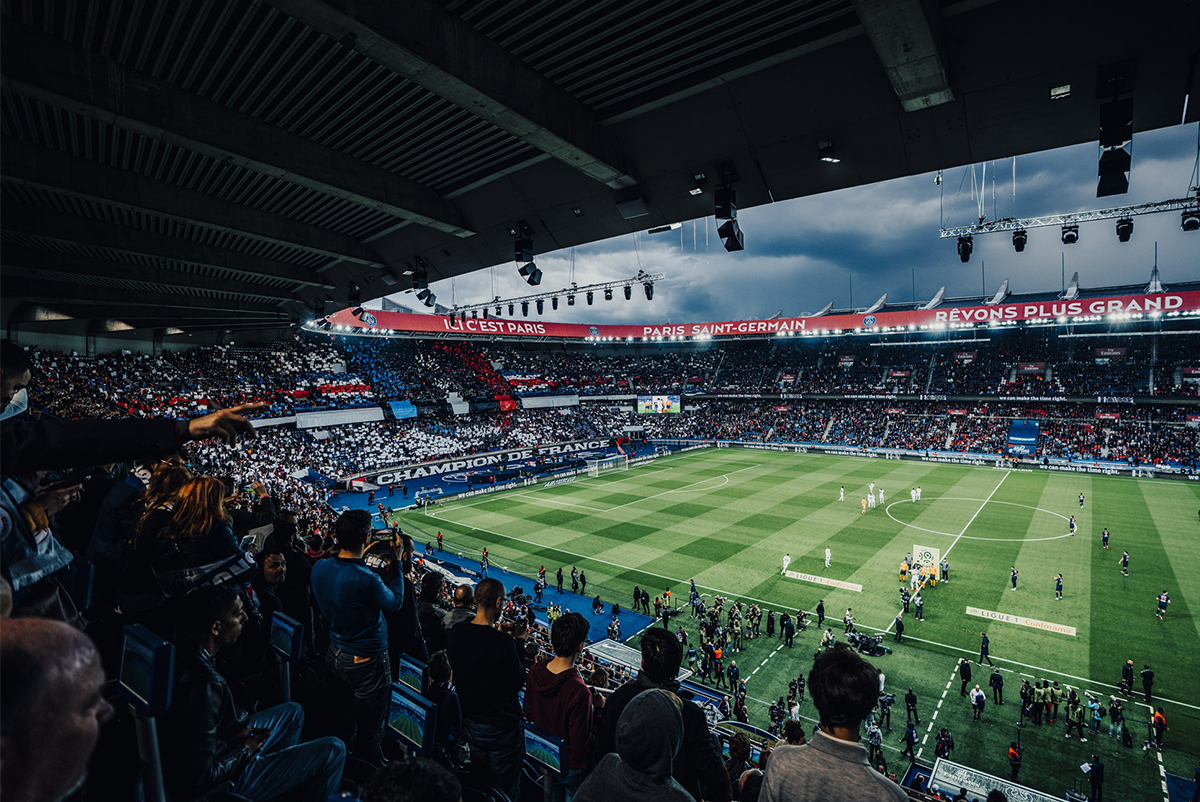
<point x="659" y="405"/>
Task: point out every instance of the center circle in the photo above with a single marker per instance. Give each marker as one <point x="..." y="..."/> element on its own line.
<point x="888" y="510"/>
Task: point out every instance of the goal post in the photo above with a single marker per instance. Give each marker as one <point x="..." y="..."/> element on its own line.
<point x="596" y="466"/>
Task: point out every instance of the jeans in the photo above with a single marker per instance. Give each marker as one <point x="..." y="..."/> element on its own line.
<point x="565" y="787"/>
<point x="284" y="762"/>
<point x="1118" y="725"/>
<point x="497" y="752"/>
<point x="370" y="681"/>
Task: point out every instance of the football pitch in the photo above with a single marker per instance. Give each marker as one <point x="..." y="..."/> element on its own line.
<point x="726" y="517"/>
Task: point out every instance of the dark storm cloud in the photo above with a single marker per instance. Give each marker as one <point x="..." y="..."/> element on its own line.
<point x="803" y="253"/>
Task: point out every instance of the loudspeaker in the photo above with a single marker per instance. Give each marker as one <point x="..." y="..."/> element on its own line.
<point x="725" y="203"/>
<point x="731" y="236"/>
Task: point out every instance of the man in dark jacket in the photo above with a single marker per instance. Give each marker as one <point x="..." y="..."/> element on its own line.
<point x="1096" y="776"/>
<point x="208" y="740"/>
<point x="698" y="767"/>
<point x="352" y="600"/>
<point x="648" y="737"/>
<point x="488" y="674"/>
<point x="964" y="673"/>
<point x="558" y="700"/>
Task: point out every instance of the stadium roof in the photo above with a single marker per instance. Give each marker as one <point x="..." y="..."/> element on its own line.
<point x="225" y="164"/>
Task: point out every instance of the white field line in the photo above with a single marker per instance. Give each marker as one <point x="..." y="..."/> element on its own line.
<point x="498" y="496"/>
<point x="976" y="515"/>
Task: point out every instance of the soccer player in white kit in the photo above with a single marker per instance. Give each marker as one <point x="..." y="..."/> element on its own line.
<point x="787" y="560"/>
<point x="881" y="495"/>
<point x="828" y="556"/>
<point x="871" y="500"/>
<point x="872" y="487"/>
<point x="842" y="494"/>
<point x="918" y="492"/>
<point x="912" y="495"/>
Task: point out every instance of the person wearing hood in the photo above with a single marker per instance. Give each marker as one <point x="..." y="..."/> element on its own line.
<point x="649" y="733"/>
<point x="699" y="767"/>
<point x="833" y="765"/>
<point x="559" y="701"/>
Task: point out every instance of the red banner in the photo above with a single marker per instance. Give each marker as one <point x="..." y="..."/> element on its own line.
<point x="936" y="319"/>
<point x="1107" y="352"/>
<point x="899" y="374"/>
<point x="894" y="411"/>
<point x="1193" y="418"/>
<point x="966" y="357"/>
<point x="782" y="409"/>
<point x="959" y="412"/>
<point x="1031" y="367"/>
<point x="1108" y="415"/>
<point x="1191" y="371"/>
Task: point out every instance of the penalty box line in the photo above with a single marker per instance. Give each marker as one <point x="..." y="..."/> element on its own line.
<point x="498" y="496"/>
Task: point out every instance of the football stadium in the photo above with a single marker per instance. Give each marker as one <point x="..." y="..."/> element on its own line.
<point x="395" y="405"/>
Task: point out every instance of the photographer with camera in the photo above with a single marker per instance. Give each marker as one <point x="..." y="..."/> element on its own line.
<point x="353" y="599"/>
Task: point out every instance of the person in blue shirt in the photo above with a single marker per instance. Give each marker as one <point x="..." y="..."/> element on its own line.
<point x="353" y="599"/>
<point x="1104" y="538"/>
<point x="1058" y="587"/>
<point x="1014" y="573"/>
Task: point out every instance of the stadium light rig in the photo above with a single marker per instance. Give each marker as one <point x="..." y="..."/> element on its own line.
<point x="607" y="287"/>
<point x="1189" y="208"/>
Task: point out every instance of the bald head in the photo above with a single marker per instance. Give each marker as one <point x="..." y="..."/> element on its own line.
<point x="464" y="596"/>
<point x="51" y="708"/>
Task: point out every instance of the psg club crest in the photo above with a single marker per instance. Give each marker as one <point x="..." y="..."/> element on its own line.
<point x="369" y="319"/>
<point x="869" y="320"/>
<point x="592" y="330"/>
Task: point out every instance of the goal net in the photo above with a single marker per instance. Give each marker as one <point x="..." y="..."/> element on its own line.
<point x="596" y="466"/>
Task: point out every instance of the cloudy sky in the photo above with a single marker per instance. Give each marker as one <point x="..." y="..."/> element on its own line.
<point x="801" y="254"/>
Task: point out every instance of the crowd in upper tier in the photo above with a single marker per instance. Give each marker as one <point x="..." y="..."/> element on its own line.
<point x="317" y="374"/>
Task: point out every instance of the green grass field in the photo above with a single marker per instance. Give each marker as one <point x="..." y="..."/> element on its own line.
<point x="726" y="517"/>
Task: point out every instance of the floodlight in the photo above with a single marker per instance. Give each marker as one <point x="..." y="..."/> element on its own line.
<point x="1070" y="234"/>
<point x="570" y="300"/>
<point x="1124" y="229"/>
<point x="525" y="308"/>
<point x="541" y="305"/>
<point x="965" y="246"/>
<point x="554" y="302"/>
<point x="628" y="292"/>
<point x="590" y="297"/>
<point x="649" y="288"/>
<point x="1020" y="237"/>
<point x="1190" y="220"/>
<point x="608" y="293"/>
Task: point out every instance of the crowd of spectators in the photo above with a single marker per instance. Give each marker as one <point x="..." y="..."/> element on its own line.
<point x="296" y="375"/>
